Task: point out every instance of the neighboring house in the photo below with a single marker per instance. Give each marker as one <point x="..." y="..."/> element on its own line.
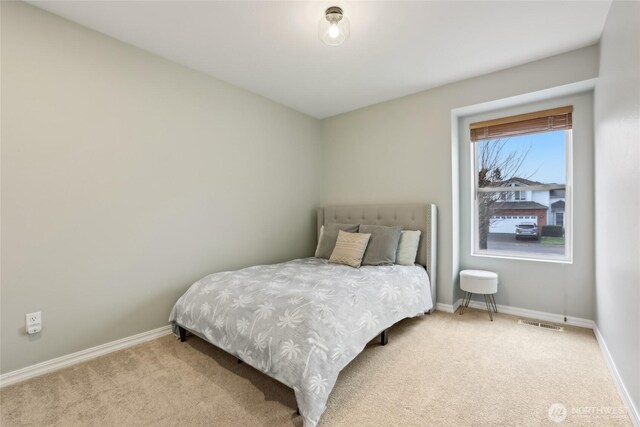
<point x="539" y="207"/>
<point x="557" y="204"/>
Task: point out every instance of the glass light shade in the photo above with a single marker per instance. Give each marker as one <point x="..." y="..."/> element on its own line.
<point x="333" y="28"/>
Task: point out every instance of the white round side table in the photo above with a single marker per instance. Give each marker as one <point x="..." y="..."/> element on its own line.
<point x="479" y="282"/>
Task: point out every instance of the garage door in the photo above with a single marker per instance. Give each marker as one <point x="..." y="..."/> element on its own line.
<point x="507" y="224"/>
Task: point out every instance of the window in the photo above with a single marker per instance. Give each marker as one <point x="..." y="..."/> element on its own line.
<point x="532" y="152"/>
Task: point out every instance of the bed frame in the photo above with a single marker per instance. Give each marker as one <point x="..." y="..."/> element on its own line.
<point x="384" y="337"/>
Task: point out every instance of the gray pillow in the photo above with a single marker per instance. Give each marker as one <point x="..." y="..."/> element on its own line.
<point x="383" y="244"/>
<point x="329" y="236"/>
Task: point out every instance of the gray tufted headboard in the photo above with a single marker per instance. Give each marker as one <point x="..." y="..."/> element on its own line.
<point x="410" y="217"/>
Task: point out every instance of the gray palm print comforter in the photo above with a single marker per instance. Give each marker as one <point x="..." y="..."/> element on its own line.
<point x="301" y="322"/>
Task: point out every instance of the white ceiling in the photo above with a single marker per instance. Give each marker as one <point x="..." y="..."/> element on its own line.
<point x="395" y="48"/>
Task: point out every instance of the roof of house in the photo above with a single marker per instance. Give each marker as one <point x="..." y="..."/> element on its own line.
<point x="558" y="205"/>
<point x="518" y="180"/>
<point x="519" y="205"/>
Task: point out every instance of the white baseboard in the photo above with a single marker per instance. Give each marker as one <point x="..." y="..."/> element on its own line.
<point x="632" y="410"/>
<point x="448" y="308"/>
<point x="531" y="314"/>
<point x="80" y="356"/>
<point x="521" y="312"/>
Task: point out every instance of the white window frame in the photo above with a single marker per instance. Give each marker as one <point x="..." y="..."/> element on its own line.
<point x="567" y="258"/>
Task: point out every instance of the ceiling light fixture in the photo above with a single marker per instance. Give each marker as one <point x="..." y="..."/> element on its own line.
<point x="333" y="28"/>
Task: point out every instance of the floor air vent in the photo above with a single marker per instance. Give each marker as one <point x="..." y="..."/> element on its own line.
<point x="540" y="325"/>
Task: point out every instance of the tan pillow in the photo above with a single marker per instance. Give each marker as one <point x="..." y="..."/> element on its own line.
<point x="328" y="237"/>
<point x="349" y="248"/>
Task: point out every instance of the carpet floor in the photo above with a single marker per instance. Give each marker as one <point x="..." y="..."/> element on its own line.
<point x="437" y="370"/>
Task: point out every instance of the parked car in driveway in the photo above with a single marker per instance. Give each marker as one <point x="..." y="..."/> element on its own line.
<point x="526" y="230"/>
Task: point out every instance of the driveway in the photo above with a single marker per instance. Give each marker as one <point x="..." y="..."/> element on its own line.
<point x="508" y="242"/>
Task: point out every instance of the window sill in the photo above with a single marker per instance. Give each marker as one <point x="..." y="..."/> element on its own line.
<point x="519" y="257"/>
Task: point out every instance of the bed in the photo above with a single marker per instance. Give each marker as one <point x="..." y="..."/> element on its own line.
<point x="302" y="321"/>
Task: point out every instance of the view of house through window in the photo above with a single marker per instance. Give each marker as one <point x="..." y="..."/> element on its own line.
<point x="521" y="191"/>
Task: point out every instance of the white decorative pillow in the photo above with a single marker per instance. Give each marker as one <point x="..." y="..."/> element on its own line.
<point x="349" y="248"/>
<point x="319" y="239"/>
<point x="408" y="247"/>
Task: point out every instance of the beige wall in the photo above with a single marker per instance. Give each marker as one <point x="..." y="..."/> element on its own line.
<point x="617" y="130"/>
<point x="125" y="178"/>
<point x="401" y="150"/>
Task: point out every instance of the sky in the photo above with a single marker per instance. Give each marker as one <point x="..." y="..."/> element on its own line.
<point x="546" y="160"/>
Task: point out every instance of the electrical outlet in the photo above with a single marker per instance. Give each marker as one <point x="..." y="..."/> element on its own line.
<point x="34" y="322"/>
